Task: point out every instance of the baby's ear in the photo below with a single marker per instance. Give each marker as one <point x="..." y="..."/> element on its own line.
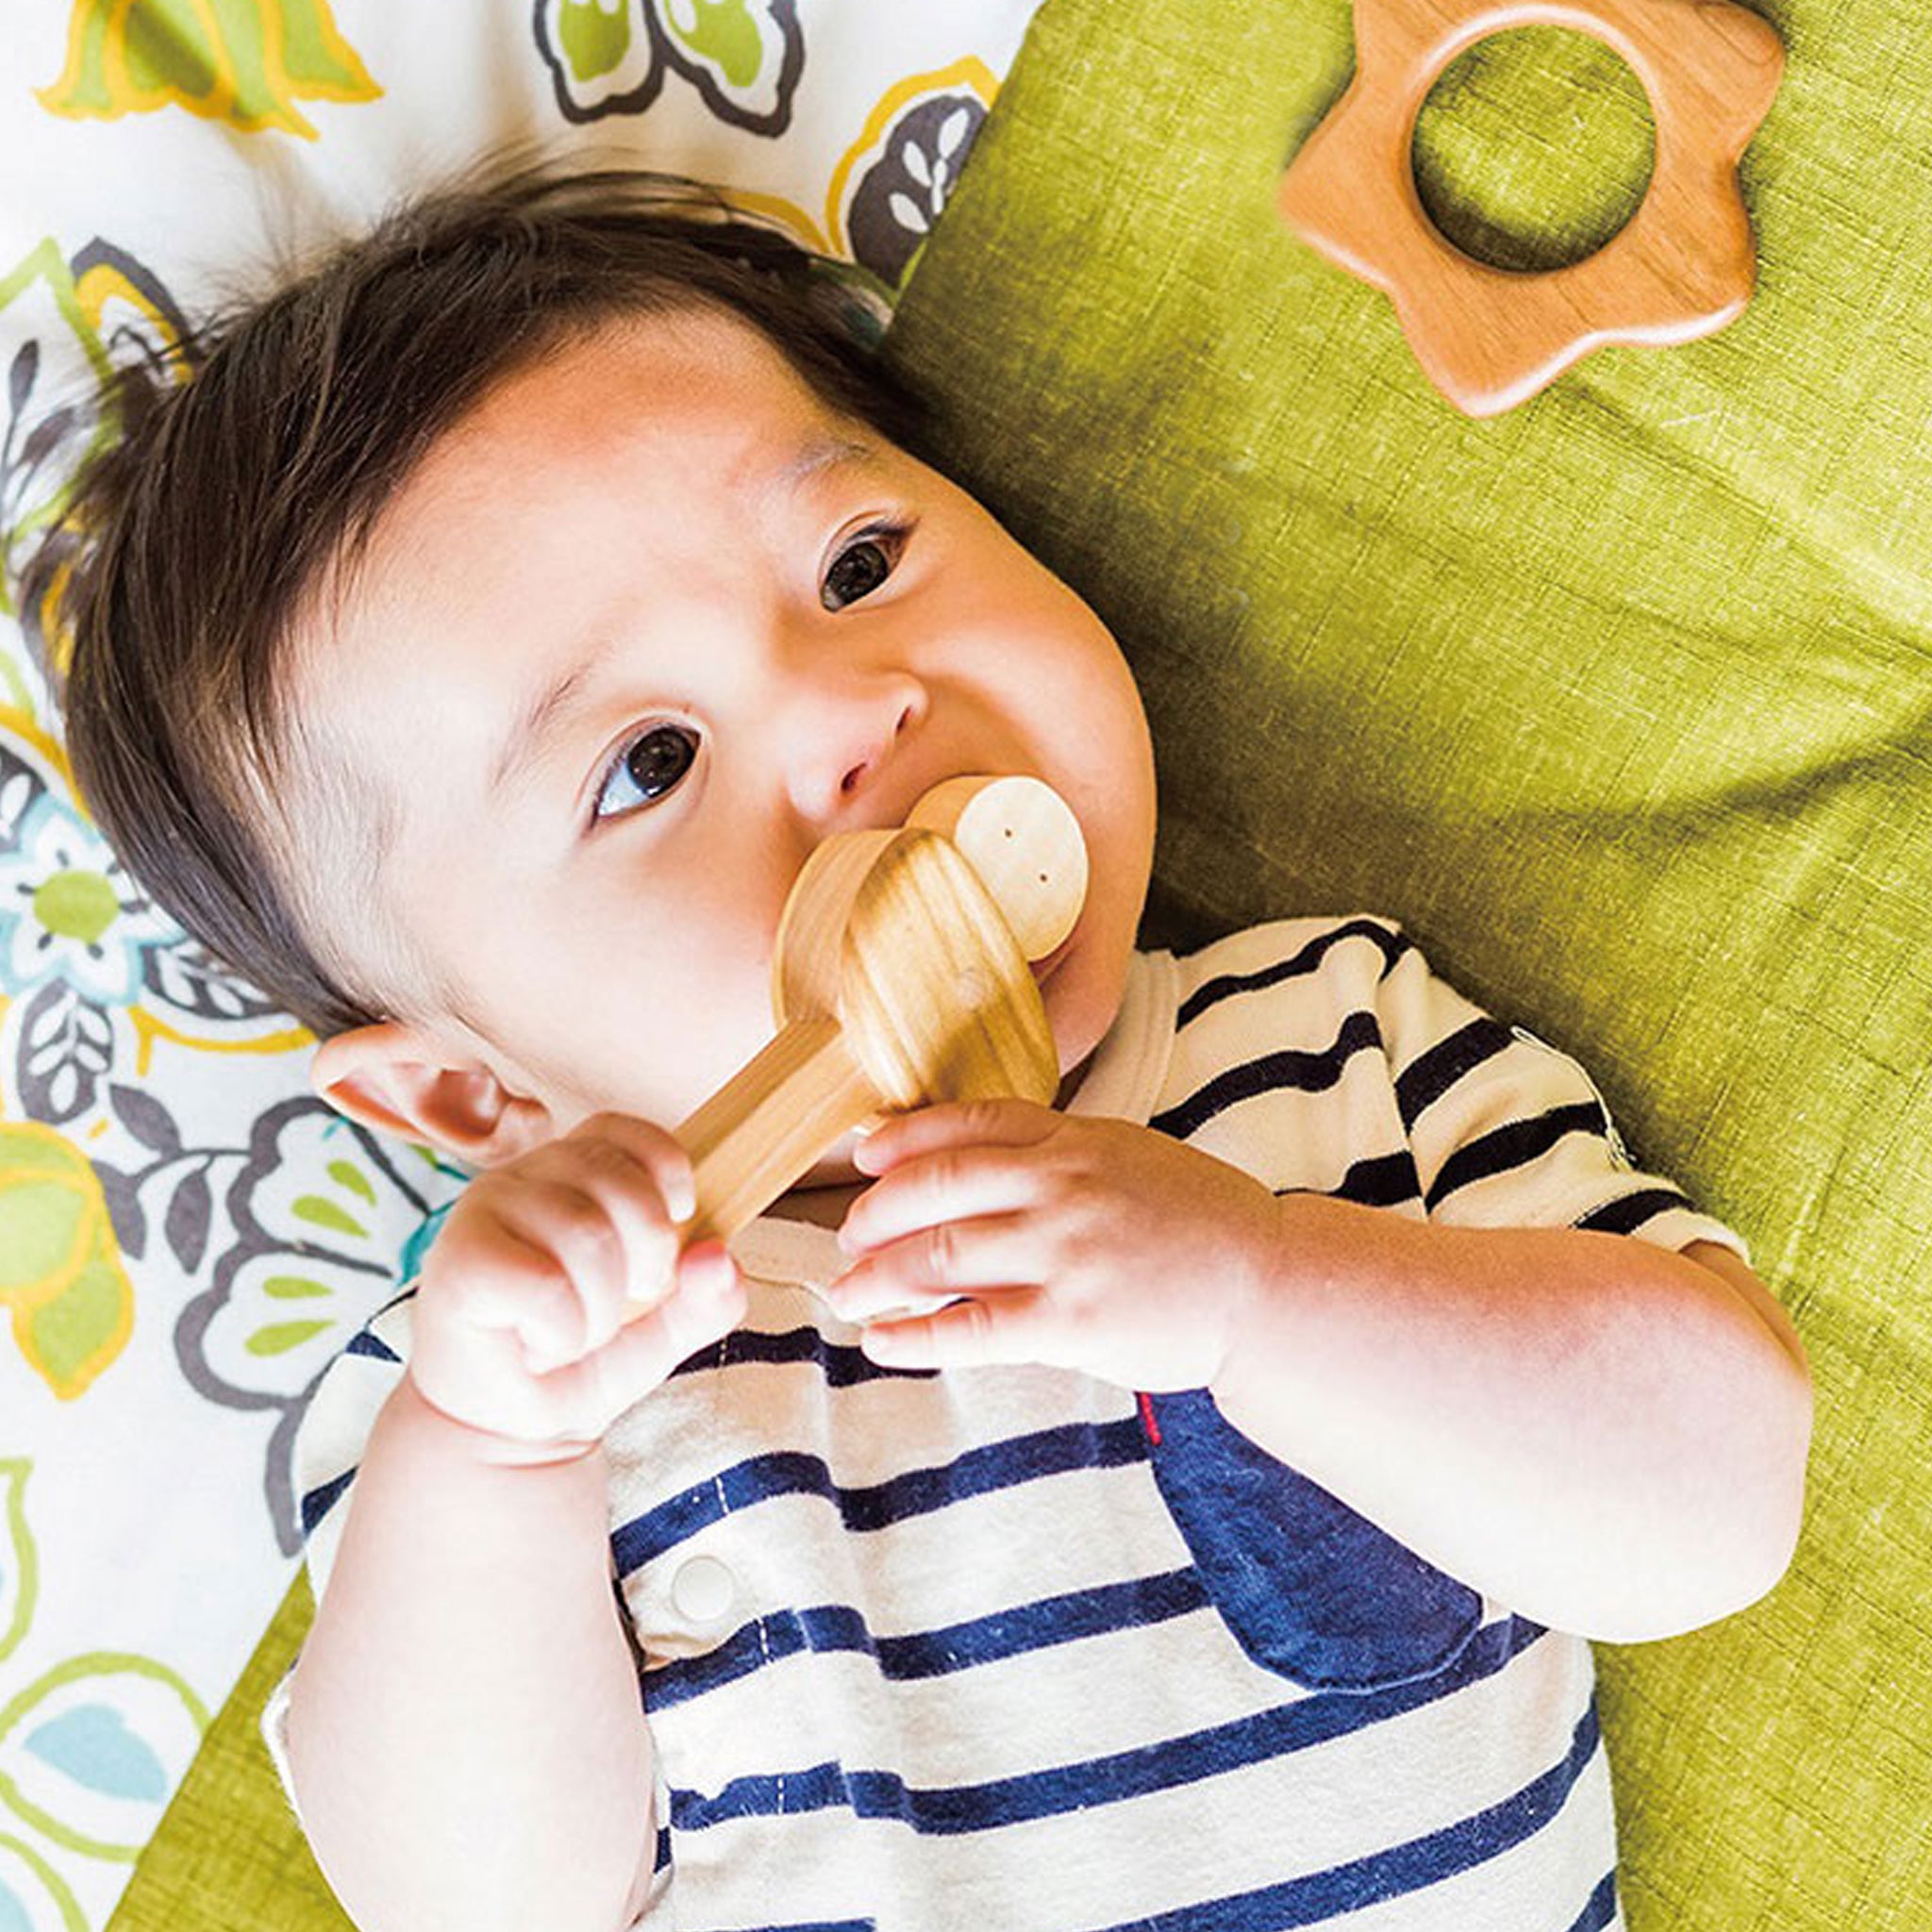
<point x="395" y="1079"/>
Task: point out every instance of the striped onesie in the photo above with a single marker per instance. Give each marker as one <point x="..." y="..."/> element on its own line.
<point x="1014" y="1650"/>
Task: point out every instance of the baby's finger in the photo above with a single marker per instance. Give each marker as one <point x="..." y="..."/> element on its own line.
<point x="992" y="1328"/>
<point x="902" y="1136"/>
<point x="954" y="1257"/>
<point x="567" y="1222"/>
<point x="882" y="1305"/>
<point x="612" y="1169"/>
<point x="659" y="1153"/>
<point x="513" y="1281"/>
<point x="952" y="1184"/>
<point x="707" y="1305"/>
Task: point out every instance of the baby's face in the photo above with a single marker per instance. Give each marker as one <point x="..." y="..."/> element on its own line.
<point x="643" y="630"/>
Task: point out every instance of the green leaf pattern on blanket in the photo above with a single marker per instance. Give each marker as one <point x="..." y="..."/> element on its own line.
<point x="593" y="36"/>
<point x="720" y="32"/>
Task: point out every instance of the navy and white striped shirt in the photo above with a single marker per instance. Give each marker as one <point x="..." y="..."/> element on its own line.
<point x="1011" y="1648"/>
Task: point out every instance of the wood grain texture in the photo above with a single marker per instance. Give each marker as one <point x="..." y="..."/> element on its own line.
<point x="898" y="981"/>
<point x="1488" y="338"/>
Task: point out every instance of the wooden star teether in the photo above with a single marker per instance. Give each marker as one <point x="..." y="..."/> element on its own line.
<point x="900" y="979"/>
<point x="1488" y="338"/>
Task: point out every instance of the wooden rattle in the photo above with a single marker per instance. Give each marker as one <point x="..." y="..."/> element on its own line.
<point x="1490" y="338"/>
<point x="900" y="978"/>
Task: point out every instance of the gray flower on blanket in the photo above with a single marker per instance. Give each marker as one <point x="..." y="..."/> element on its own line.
<point x="904" y="190"/>
<point x="325" y="1221"/>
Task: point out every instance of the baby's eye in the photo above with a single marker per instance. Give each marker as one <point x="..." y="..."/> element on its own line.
<point x="861" y="567"/>
<point x="651" y="765"/>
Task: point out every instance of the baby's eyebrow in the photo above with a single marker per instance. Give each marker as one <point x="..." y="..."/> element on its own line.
<point x="822" y="453"/>
<point x="540" y="718"/>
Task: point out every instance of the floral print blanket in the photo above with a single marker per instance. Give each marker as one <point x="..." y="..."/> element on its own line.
<point x="187" y="1235"/>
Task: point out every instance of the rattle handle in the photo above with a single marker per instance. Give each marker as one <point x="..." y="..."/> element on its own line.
<point x="900" y="978"/>
<point x="762" y="1130"/>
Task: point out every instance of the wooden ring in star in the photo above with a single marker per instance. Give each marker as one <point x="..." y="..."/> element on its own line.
<point x="1488" y="338"/>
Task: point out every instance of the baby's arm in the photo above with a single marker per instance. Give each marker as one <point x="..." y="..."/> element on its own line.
<point x="464" y="1728"/>
<point x="465" y="1734"/>
<point x="1602" y="1433"/>
<point x="1607" y="1431"/>
<point x="1605" y="1435"/>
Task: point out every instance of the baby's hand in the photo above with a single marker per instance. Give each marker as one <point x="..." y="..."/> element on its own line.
<point x="1002" y="1231"/>
<point x="556" y="1295"/>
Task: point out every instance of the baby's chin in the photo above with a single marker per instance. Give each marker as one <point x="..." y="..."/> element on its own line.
<point x="1083" y="993"/>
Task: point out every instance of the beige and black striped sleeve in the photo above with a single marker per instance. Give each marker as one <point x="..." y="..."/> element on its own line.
<point x="1508" y="1131"/>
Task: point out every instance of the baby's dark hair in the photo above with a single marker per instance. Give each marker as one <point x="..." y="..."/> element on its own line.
<point x="193" y="543"/>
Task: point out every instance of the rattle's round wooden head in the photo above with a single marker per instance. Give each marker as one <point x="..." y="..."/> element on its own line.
<point x="1023" y="840"/>
<point x="917" y="939"/>
<point x="900" y="978"/>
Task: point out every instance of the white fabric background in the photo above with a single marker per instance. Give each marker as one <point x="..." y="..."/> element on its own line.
<point x="185" y="1239"/>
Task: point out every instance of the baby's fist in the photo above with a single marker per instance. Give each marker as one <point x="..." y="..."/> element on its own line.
<point x="557" y="1296"/>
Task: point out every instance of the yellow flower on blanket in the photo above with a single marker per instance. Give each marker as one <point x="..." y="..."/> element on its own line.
<point x="60" y="1268"/>
<point x="242" y="61"/>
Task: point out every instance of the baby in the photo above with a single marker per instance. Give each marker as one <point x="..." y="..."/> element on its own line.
<point x="1186" y="1506"/>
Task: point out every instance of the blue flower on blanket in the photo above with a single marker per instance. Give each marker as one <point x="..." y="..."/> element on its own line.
<point x="91" y="970"/>
<point x="91" y="1751"/>
<point x="327" y="1221"/>
<point x="68" y="911"/>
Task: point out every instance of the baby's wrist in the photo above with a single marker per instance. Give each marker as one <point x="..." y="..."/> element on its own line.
<point x="479" y="1444"/>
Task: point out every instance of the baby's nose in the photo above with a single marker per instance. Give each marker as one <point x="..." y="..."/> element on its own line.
<point x="849" y="744"/>
<point x="856" y="774"/>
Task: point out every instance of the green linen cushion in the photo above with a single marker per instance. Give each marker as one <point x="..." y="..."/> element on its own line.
<point x="230" y="1856"/>
<point x="1616" y="701"/>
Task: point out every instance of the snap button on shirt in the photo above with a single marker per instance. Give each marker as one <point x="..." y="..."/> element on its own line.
<point x="704" y="1591"/>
